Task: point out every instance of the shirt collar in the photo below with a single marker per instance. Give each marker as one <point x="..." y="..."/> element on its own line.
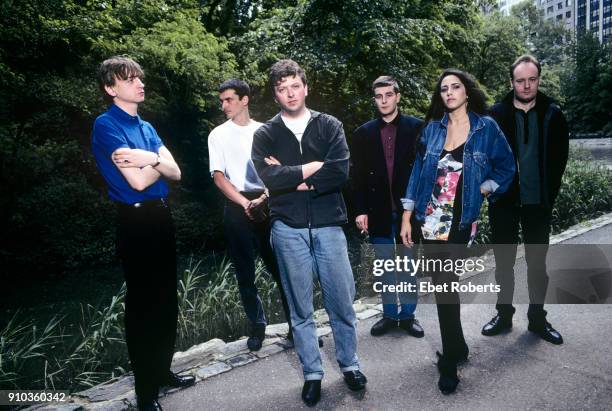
<point x="277" y="119"/>
<point x="395" y="121"/>
<point x="121" y="115"/>
<point x="475" y="121"/>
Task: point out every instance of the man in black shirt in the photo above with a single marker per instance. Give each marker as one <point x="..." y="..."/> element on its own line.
<point x="537" y="133"/>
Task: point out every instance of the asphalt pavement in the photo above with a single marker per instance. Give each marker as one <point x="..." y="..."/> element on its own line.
<point x="512" y="371"/>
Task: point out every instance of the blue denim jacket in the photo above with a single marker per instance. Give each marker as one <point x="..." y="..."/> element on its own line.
<point x="487" y="162"/>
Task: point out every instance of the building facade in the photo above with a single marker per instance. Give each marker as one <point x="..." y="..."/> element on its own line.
<point x="595" y="16"/>
<point x="559" y="11"/>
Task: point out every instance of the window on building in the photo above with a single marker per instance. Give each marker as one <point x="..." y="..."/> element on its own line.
<point x="568" y="14"/>
<point x="559" y="6"/>
<point x="549" y="10"/>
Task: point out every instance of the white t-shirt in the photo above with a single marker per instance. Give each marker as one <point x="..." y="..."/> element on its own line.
<point x="297" y="125"/>
<point x="229" y="151"/>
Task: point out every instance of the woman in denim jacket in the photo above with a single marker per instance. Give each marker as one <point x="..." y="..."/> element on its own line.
<point x="462" y="157"/>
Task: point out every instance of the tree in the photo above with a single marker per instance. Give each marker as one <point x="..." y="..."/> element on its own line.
<point x="588" y="85"/>
<point x="500" y="42"/>
<point x="344" y="46"/>
<point x="548" y="40"/>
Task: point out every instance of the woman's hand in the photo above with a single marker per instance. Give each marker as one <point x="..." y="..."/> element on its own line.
<point x="406" y="231"/>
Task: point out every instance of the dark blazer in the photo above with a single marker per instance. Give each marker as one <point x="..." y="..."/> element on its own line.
<point x="370" y="180"/>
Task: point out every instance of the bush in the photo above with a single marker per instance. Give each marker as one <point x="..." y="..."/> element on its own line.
<point x="585" y="194"/>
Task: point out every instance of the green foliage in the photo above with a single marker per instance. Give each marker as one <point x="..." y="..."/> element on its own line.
<point x="344" y="46"/>
<point x="500" y="42"/>
<point x="587" y="86"/>
<point x="61" y="356"/>
<point x="585" y="194"/>
<point x="24" y="350"/>
<point x="548" y="40"/>
<point x="53" y="213"/>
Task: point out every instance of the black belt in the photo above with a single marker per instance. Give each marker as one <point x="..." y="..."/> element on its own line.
<point x="158" y="202"/>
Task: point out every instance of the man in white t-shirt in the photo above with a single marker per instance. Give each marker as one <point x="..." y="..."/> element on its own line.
<point x="245" y="213"/>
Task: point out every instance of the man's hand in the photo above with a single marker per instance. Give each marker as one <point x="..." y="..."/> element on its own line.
<point x="133" y="158"/>
<point x="484" y="192"/>
<point x="256" y="203"/>
<point x="252" y="211"/>
<point x="271" y="161"/>
<point x="304" y="187"/>
<point x="362" y="223"/>
<point x="406" y="231"/>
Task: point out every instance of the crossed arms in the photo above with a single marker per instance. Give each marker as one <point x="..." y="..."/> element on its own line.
<point x="321" y="176"/>
<point x="140" y="168"/>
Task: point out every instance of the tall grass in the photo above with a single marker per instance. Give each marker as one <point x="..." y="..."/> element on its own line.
<point x="209" y="307"/>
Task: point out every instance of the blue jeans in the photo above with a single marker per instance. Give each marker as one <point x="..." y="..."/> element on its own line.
<point x="305" y="254"/>
<point x="387" y="250"/>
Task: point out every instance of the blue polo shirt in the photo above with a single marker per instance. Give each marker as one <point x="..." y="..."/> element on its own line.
<point x="118" y="129"/>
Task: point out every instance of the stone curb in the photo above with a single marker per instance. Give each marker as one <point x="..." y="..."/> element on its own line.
<point x="203" y="361"/>
<point x="215" y="357"/>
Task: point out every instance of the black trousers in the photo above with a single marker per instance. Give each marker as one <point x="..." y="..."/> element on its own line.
<point x="534" y="221"/>
<point x="147" y="249"/>
<point x="448" y="305"/>
<point x="243" y="236"/>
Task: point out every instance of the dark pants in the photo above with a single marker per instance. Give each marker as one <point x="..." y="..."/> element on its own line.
<point x="146" y="246"/>
<point x="535" y="226"/>
<point x="242" y="234"/>
<point x="448" y="305"/>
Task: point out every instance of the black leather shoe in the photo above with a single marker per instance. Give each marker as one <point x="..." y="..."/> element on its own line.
<point x="178" y="381"/>
<point x="546" y="332"/>
<point x="413" y="327"/>
<point x="449" y="380"/>
<point x="256" y="337"/>
<point x="311" y="392"/>
<point x="254" y="343"/>
<point x="355" y="380"/>
<point x="497" y="325"/>
<point x="150" y="406"/>
<point x="382" y="326"/>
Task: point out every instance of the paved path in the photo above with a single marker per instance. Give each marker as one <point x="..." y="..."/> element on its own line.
<point x="513" y="371"/>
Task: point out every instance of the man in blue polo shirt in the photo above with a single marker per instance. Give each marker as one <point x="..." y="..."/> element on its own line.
<point x="134" y="163"/>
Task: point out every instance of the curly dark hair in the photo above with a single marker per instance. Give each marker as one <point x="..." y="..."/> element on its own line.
<point x="282" y="69"/>
<point x="476" y="97"/>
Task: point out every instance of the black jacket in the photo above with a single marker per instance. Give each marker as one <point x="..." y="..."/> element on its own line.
<point x="323" y="140"/>
<point x="553" y="146"/>
<point x="370" y="179"/>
